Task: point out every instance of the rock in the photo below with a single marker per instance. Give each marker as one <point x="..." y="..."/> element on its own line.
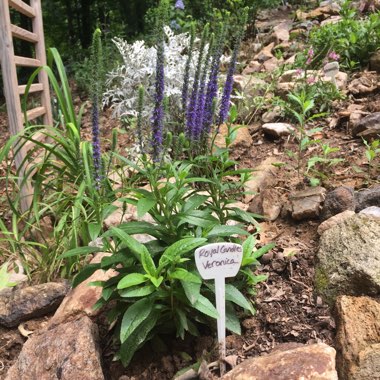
<point x="367" y="198"/>
<point x="347" y="259"/>
<point x="340" y="80"/>
<point x="272" y="64"/>
<point x="278" y="129"/>
<point x="248" y="85"/>
<point x="30" y="302"/>
<point x="358" y="338"/>
<point x="81" y="299"/>
<point x="334" y="220"/>
<point x="267" y="203"/>
<point x="265" y="175"/>
<point x="67" y="352"/>
<point x="306" y="204"/>
<point x="368" y="127"/>
<point x="374" y="62"/>
<point x="265" y="53"/>
<point x="243" y="138"/>
<point x="365" y="84"/>
<point x="281" y="31"/>
<point x="271" y="115"/>
<point x="309" y="362"/>
<point x="331" y="20"/>
<point x="373" y="211"/>
<point x="253" y="67"/>
<point x="340" y="199"/>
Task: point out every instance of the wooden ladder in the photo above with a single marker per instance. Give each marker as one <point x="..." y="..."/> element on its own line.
<point x="9" y="62"/>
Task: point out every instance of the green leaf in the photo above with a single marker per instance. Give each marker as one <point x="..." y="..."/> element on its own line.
<point x="192" y="291"/>
<point x="184" y="275"/>
<point x="232" y="321"/>
<point x="155" y="281"/>
<point x="234" y="295"/>
<point x="148" y="263"/>
<point x="79" y="251"/>
<point x="198" y="218"/>
<point x="179" y="248"/>
<point x="128" y="241"/>
<point x="134" y="316"/>
<point x="223" y="231"/>
<point x="194" y="202"/>
<point x="137" y="291"/>
<point x="131" y="279"/>
<point x="206" y="307"/>
<point x="85" y="273"/>
<point x="144" y="205"/>
<point x="137" y="338"/>
<point x="261" y="251"/>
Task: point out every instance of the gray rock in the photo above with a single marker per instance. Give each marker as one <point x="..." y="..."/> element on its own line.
<point x="358" y="338"/>
<point x="348" y="259"/>
<point x="368" y="126"/>
<point x="271" y="115"/>
<point x="334" y="220"/>
<point x="373" y="211"/>
<point x="67" y="352"/>
<point x="367" y="198"/>
<point x="338" y="200"/>
<point x="278" y="129"/>
<point x="308" y="362"/>
<point x="307" y="204"/>
<point x="30" y="302"/>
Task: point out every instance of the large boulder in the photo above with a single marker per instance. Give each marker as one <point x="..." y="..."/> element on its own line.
<point x="358" y="338"/>
<point x="66" y="352"/>
<point x="348" y="259"/>
<point x="309" y="362"/>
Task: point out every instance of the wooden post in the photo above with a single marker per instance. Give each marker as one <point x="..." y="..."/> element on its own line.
<point x="12" y="98"/>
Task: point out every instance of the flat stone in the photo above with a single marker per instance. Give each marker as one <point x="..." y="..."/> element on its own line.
<point x="264" y="54"/>
<point x="271" y="115"/>
<point x="309" y="362"/>
<point x="373" y="211"/>
<point x="307" y="204"/>
<point x="338" y="200"/>
<point x="81" y="299"/>
<point x="30" y="302"/>
<point x="367" y="198"/>
<point x="358" y="338"/>
<point x="348" y="259"/>
<point x="367" y="83"/>
<point x="267" y="203"/>
<point x="265" y="175"/>
<point x="68" y="352"/>
<point x="281" y="31"/>
<point x="278" y="129"/>
<point x="334" y="220"/>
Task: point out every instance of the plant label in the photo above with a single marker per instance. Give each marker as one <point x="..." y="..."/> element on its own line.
<point x="218" y="261"/>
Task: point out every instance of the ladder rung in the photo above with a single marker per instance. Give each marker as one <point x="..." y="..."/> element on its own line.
<point x="23" y="61"/>
<point x="23" y="34"/>
<point x="23" y="8"/>
<point x="31" y="171"/>
<point x="34" y="113"/>
<point x="36" y="87"/>
<point x="39" y="136"/>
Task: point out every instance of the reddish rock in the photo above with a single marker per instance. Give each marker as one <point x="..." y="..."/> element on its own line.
<point x="314" y="362"/>
<point x="81" y="300"/>
<point x="358" y="338"/>
<point x="66" y="352"/>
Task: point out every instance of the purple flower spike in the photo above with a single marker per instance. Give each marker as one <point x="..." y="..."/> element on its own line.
<point x="158" y="113"/>
<point x="225" y="103"/>
<point x="179" y="5"/>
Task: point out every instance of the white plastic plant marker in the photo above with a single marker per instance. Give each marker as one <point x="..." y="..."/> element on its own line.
<point x="218" y="261"/>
